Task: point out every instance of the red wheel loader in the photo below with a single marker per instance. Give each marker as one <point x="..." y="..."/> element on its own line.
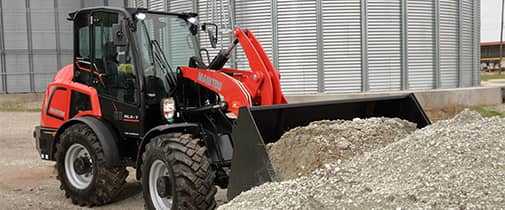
<point x="138" y="95"/>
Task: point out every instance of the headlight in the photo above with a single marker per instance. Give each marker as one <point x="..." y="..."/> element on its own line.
<point x="193" y="20"/>
<point x="168" y="108"/>
<point x="140" y="16"/>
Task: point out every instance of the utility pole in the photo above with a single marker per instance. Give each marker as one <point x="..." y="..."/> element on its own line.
<point x="501" y="37"/>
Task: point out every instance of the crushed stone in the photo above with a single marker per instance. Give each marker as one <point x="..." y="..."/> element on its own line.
<point x="303" y="149"/>
<point x="457" y="163"/>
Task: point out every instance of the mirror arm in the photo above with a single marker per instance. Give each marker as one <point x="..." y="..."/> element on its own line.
<point x="206" y="52"/>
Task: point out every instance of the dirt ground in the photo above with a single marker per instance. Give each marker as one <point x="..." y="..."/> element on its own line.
<point x="27" y="182"/>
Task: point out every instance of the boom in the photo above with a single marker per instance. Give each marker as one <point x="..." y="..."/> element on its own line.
<point x="259" y="86"/>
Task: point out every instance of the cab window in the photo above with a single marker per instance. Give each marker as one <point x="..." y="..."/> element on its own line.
<point x="114" y="67"/>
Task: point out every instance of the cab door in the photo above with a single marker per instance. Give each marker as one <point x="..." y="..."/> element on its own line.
<point x="114" y="74"/>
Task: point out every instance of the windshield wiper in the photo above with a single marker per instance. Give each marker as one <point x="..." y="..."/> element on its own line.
<point x="162" y="60"/>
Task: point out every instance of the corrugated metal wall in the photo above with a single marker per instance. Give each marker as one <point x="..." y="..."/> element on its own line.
<point x="421" y="44"/>
<point x="467" y="42"/>
<point x="297" y="45"/>
<point x="384" y="45"/>
<point x="317" y="45"/>
<point x="341" y="45"/>
<point x="449" y="43"/>
<point x="215" y="12"/>
<point x="257" y="15"/>
<point x="365" y="45"/>
<point x="36" y="41"/>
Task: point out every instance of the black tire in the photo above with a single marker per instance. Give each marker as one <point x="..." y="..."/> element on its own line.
<point x="185" y="160"/>
<point x="106" y="183"/>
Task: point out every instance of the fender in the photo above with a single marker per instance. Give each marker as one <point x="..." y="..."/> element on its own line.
<point x="105" y="133"/>
<point x="191" y="128"/>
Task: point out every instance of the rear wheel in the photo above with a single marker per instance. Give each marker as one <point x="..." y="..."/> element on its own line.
<point x="176" y="174"/>
<point x="82" y="170"/>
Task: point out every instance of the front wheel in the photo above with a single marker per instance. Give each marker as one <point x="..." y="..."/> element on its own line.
<point x="176" y="174"/>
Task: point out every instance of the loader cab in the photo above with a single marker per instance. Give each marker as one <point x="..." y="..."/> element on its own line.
<point x="131" y="57"/>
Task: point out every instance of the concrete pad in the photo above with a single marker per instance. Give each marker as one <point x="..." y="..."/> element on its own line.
<point x="489" y="94"/>
<point x="429" y="99"/>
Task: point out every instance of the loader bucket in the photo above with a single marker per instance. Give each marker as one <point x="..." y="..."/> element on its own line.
<point x="258" y="126"/>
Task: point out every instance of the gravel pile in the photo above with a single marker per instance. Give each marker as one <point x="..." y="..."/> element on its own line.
<point x="457" y="163"/>
<point x="304" y="149"/>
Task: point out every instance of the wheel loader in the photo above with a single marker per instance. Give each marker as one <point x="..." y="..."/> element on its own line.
<point x="139" y="95"/>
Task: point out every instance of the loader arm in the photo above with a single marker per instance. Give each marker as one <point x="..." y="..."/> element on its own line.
<point x="258" y="86"/>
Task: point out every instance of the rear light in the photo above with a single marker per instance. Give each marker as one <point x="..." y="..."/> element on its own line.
<point x="168" y="108"/>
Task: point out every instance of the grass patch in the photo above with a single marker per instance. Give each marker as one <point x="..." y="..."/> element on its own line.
<point x="485" y="112"/>
<point x="21" y="109"/>
<point x="486" y="77"/>
<point x="16" y="107"/>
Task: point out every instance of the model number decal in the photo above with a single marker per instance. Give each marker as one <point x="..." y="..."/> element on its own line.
<point x="210" y="81"/>
<point x="130" y="117"/>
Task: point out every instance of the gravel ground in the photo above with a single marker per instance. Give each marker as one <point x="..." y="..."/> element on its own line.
<point x="27" y="182"/>
<point x="456" y="163"/>
<point x="303" y="149"/>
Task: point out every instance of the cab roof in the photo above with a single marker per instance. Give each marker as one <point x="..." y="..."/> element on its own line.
<point x="126" y="11"/>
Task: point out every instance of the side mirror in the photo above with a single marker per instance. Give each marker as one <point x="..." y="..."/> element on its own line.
<point x="119" y="35"/>
<point x="212" y="30"/>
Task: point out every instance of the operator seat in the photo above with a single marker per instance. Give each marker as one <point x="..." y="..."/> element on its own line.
<point x="111" y="62"/>
<point x="110" y="71"/>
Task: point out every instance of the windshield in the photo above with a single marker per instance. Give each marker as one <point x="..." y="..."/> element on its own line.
<point x="166" y="43"/>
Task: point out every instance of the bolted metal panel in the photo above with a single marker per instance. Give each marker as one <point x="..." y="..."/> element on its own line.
<point x="179" y="5"/>
<point x="94" y="3"/>
<point x="467" y="43"/>
<point x="139" y="3"/>
<point x="275" y="33"/>
<point x="476" y="44"/>
<point x="297" y="46"/>
<point x="57" y="34"/>
<point x="42" y="24"/>
<point x="342" y="45"/>
<point x="17" y="68"/>
<point x="3" y="78"/>
<point x="18" y="75"/>
<point x="116" y="3"/>
<point x="130" y="3"/>
<point x="14" y="22"/>
<point x="384" y="45"/>
<point x="460" y="43"/>
<point x="65" y="26"/>
<point x="157" y="5"/>
<point x="30" y="45"/>
<point x="404" y="77"/>
<point x="320" y="50"/>
<point x="449" y="43"/>
<point x="364" y="45"/>
<point x="45" y="67"/>
<point x="315" y="44"/>
<point x="421" y="44"/>
<point x="215" y="11"/>
<point x="43" y="28"/>
<point x="255" y="15"/>
<point x="436" y="45"/>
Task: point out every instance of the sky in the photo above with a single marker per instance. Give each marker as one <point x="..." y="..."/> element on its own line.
<point x="490" y="20"/>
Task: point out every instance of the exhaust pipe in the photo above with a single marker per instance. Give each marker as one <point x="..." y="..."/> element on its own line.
<point x="258" y="126"/>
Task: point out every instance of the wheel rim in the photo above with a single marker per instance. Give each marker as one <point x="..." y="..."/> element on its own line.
<point x="157" y="171"/>
<point x="78" y="175"/>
